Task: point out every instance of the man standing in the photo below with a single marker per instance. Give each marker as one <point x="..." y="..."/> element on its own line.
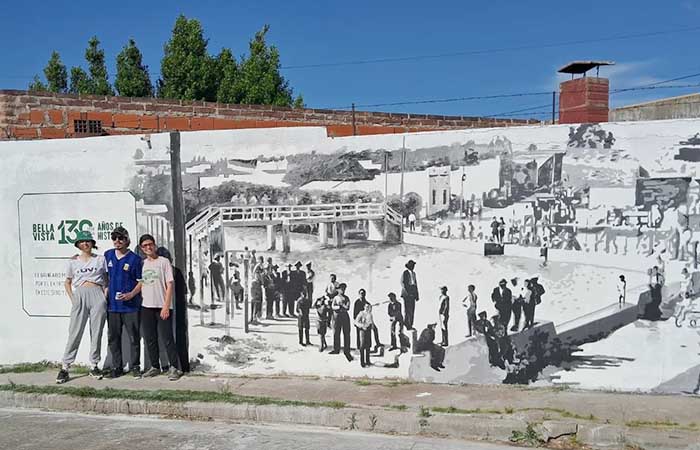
<point x="297" y="281"/>
<point x="357" y="308"/>
<point x="444" y="314"/>
<point x="323" y="318"/>
<point x="278" y="288"/>
<point x="124" y="268"/>
<point x="156" y="311"/>
<point x="364" y="323"/>
<point x="412" y="222"/>
<point x="270" y="294"/>
<point x="494" y="229"/>
<point x="216" y="269"/>
<point x="310" y="277"/>
<point x="395" y="318"/>
<point x="469" y="302"/>
<point x="502" y="298"/>
<point x="409" y="292"/>
<point x="341" y="306"/>
<point x="332" y="287"/>
<point x="302" y="308"/>
<point x="518" y="294"/>
<point x="286" y="291"/>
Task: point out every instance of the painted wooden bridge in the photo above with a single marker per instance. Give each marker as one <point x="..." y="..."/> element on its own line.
<point x="384" y="223"/>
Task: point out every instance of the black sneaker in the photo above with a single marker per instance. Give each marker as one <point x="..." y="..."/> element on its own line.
<point x="95" y="373"/>
<point x="116" y="373"/>
<point x="136" y="372"/>
<point x="62" y="376"/>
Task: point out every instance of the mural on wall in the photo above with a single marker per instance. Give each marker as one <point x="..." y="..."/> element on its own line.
<point x="366" y="256"/>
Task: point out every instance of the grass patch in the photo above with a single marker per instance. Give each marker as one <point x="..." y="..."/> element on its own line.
<point x="41" y="366"/>
<point x="390" y="383"/>
<point x="453" y="410"/>
<point x="530" y="437"/>
<point x="397" y="407"/>
<point x="652" y="423"/>
<point x="176" y="396"/>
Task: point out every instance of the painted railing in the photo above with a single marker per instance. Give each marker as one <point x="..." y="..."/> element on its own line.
<point x="247" y="214"/>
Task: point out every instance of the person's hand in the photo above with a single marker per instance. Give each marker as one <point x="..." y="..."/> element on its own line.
<point x="125" y="297"/>
<point x="165" y="313"/>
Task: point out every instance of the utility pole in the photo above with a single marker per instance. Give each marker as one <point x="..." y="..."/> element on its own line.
<point x="386" y="193"/>
<point x="554" y="105"/>
<point x="403" y="164"/>
<point x="181" y="338"/>
<point x="354" y="127"/>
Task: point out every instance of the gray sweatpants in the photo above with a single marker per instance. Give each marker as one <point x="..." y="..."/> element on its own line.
<point x="88" y="303"/>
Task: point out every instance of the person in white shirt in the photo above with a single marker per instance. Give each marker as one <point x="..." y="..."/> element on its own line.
<point x="469" y="302"/>
<point x="365" y="323"/>
<point x="157" y="290"/>
<point x="621" y="289"/>
<point x="86" y="282"/>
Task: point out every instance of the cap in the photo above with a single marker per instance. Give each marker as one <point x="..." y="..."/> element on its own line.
<point x="298" y="264"/>
<point x="443" y="288"/>
<point x="391" y="295"/>
<point x="482" y="314"/>
<point x="308" y="264"/>
<point x="120" y="231"/>
<point x="342" y="286"/>
<point x="503" y="281"/>
<point x="410" y="263"/>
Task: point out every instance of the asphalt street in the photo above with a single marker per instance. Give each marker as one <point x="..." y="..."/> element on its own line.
<point x="38" y="430"/>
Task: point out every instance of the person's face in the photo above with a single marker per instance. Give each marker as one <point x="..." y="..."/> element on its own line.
<point x="368" y="307"/>
<point x="149" y="248"/>
<point x="362" y="293"/>
<point x="332" y="278"/>
<point x="120" y="242"/>
<point x="85" y="246"/>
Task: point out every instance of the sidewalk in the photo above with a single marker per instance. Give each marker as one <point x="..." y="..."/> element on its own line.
<point x="466" y="412"/>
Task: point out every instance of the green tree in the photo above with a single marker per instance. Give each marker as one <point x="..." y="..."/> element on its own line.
<point x="228" y="75"/>
<point x="99" y="80"/>
<point x="260" y="80"/>
<point x="187" y="70"/>
<point x="56" y="76"/>
<point x="37" y="85"/>
<point x="132" y="75"/>
<point x="79" y="81"/>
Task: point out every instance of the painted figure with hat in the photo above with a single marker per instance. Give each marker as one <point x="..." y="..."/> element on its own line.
<point x="310" y="278"/>
<point x="270" y="292"/>
<point x="216" y="271"/>
<point x="287" y="301"/>
<point x="235" y="284"/>
<point x="444" y="314"/>
<point x="86" y="282"/>
<point x="297" y="282"/>
<point x="278" y="289"/>
<point x="125" y="270"/>
<point x="395" y="318"/>
<point x="341" y="319"/>
<point x="303" y="306"/>
<point x="426" y="343"/>
<point x="502" y="298"/>
<point x="409" y="293"/>
<point x="322" y="305"/>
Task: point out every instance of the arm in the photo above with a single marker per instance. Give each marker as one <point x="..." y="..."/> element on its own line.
<point x="165" y="311"/>
<point x="69" y="288"/>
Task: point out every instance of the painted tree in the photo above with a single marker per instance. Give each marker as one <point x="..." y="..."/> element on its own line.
<point x="187" y="70"/>
<point x="260" y="81"/>
<point x="56" y="76"/>
<point x="79" y="81"/>
<point x="132" y="78"/>
<point x="99" y="79"/>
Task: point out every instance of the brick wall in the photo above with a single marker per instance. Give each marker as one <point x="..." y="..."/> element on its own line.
<point x="584" y="100"/>
<point x="30" y="115"/>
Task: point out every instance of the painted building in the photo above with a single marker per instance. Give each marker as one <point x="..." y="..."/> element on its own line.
<point x="439" y="192"/>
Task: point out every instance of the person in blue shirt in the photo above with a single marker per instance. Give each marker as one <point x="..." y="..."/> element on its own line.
<point x="124" y="303"/>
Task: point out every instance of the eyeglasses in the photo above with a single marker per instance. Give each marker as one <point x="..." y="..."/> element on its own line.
<point x="120" y="238"/>
<point x="148" y="244"/>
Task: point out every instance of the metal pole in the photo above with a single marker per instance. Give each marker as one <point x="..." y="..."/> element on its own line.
<point x="403" y="163"/>
<point x="178" y="202"/>
<point x="201" y="281"/>
<point x="386" y="193"/>
<point x="227" y="320"/>
<point x="554" y="104"/>
<point x="212" y="306"/>
<point x="354" y="127"/>
<point x="246" y="291"/>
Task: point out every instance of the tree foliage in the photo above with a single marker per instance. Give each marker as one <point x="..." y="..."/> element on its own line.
<point x="132" y="78"/>
<point x="260" y="81"/>
<point x="99" y="79"/>
<point x="227" y="91"/>
<point x="188" y="72"/>
<point x="79" y="81"/>
<point x="56" y="76"/>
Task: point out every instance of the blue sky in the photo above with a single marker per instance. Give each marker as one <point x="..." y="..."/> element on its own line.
<point x="329" y="32"/>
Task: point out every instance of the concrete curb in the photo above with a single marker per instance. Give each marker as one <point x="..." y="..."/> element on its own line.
<point x="475" y="427"/>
